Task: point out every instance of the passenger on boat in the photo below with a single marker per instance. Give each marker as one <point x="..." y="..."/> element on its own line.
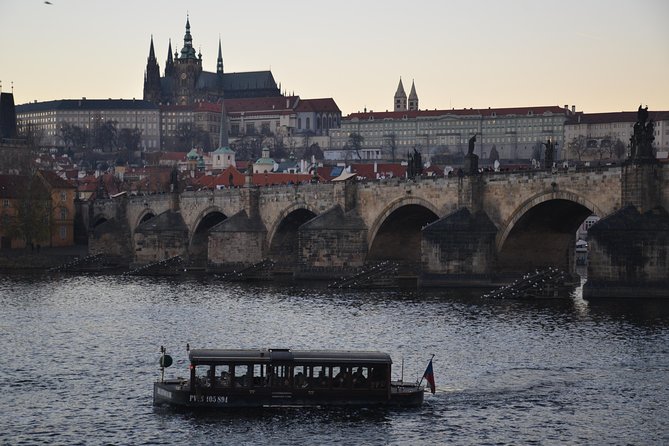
<point x="322" y="380"/>
<point x="225" y="379"/>
<point x="269" y="377"/>
<point x="300" y="380"/>
<point x="248" y="378"/>
<point x="359" y="379"/>
<point x="340" y="378"/>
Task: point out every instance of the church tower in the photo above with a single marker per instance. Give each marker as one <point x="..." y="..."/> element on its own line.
<point x="400" y="98"/>
<point x="152" y="77"/>
<point x="413" y="97"/>
<point x="187" y="69"/>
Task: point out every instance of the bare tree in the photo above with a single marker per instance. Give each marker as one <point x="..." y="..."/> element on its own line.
<point x="619" y="149"/>
<point x="354" y="144"/>
<point x="104" y="134"/>
<point x="578" y="146"/>
<point x="32" y="211"/>
<point x="129" y="139"/>
<point x="603" y="148"/>
<point x="391" y="142"/>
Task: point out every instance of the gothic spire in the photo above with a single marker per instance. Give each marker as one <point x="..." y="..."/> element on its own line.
<point x="169" y="65"/>
<point x="152" y="76"/>
<point x="400" y="89"/>
<point x="413" y="97"/>
<point x="152" y="53"/>
<point x="219" y="61"/>
<point x="400" y="98"/>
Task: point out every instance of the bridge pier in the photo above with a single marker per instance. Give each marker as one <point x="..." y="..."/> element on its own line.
<point x="458" y="249"/>
<point x="331" y="244"/>
<point x="236" y="242"/>
<point x="629" y="249"/>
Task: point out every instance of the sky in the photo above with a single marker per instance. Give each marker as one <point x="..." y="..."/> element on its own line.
<point x="599" y="55"/>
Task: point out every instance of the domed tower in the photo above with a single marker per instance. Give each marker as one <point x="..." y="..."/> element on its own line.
<point x="413" y="97"/>
<point x="400" y="98"/>
<point x="187" y="69"/>
<point x="152" y="77"/>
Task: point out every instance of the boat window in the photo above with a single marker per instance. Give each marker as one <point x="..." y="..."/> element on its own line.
<point x="243" y="375"/>
<point x="279" y="376"/>
<point x="342" y="377"/>
<point x="223" y="374"/>
<point x="378" y="377"/>
<point x="203" y="375"/>
<point x="320" y="376"/>
<point x="300" y="374"/>
<point x="360" y="378"/>
<point x="258" y="375"/>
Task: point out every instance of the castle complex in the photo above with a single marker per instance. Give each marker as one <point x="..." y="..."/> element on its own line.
<point x="185" y="82"/>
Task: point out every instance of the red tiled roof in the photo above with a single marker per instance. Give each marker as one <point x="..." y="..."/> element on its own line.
<point x="274" y="104"/>
<point x="55" y="181"/>
<point x="318" y="105"/>
<point x="173" y="156"/>
<point x="239" y="179"/>
<point x="486" y="112"/>
<point x="324" y="173"/>
<point x="605" y="118"/>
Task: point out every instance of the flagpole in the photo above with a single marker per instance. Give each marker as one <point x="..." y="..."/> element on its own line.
<point x="423" y="377"/>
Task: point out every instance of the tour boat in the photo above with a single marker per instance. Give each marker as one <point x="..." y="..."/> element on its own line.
<point x="221" y="378"/>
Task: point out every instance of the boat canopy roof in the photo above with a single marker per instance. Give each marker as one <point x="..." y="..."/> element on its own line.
<point x="217" y="356"/>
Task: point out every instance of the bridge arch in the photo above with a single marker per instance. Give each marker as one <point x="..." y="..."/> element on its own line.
<point x="199" y="234"/>
<point x="98" y="220"/>
<point x="392" y="207"/>
<point x="146" y="215"/>
<point x="282" y="238"/>
<point x="538" y="199"/>
<point x="542" y="231"/>
<point x="396" y="232"/>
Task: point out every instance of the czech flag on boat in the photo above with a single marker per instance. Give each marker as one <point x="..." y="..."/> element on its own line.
<point x="429" y="376"/>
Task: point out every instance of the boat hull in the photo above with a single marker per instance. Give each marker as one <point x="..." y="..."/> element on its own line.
<point x="178" y="394"/>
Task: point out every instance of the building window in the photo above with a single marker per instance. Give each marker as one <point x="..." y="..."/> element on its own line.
<point x="308" y="123"/>
<point x="63" y="232"/>
<point x="299" y="123"/>
<point x="5" y="203"/>
<point x="63" y="214"/>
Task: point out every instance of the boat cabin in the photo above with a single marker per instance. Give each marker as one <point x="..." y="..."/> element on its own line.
<point x="293" y="371"/>
<point x="282" y="377"/>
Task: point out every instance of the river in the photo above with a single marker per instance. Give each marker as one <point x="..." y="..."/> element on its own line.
<point x="80" y="354"/>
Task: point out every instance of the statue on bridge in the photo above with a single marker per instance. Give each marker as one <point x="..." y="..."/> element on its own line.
<point x="641" y="141"/>
<point x="414" y="164"/>
<point x="549" y="155"/>
<point x="174" y="181"/>
<point x="471" y="166"/>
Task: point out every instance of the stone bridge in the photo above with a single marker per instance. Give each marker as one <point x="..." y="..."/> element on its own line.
<point x="469" y="227"/>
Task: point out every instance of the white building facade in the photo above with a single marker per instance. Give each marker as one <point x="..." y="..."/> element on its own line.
<point x="515" y="133"/>
<point x="49" y="117"/>
<point x="601" y="130"/>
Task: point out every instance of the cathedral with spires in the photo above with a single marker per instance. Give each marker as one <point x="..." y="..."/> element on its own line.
<point x="184" y="82"/>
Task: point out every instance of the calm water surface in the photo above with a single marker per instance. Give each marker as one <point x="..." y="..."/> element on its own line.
<point x="80" y="355"/>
